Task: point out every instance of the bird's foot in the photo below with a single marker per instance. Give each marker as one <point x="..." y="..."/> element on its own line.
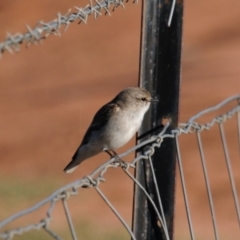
<point x="119" y="161"/>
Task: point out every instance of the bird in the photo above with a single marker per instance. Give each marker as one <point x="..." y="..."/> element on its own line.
<point x="113" y="125"/>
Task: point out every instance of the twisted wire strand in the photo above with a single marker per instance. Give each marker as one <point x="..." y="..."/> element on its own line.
<point x="43" y="29"/>
<point x="96" y="178"/>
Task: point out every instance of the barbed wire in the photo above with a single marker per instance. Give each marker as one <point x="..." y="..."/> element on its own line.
<point x="97" y="177"/>
<point x="43" y="29"/>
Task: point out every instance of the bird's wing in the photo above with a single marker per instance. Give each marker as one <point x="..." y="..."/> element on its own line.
<point x="99" y="120"/>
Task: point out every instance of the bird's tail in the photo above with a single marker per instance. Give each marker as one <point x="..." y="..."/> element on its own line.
<point x="82" y="153"/>
<point x="71" y="166"/>
<point x="74" y="163"/>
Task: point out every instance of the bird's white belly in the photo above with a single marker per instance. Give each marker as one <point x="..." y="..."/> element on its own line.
<point x="124" y="132"/>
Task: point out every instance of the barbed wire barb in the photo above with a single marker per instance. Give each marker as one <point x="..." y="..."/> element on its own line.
<point x="81" y="15"/>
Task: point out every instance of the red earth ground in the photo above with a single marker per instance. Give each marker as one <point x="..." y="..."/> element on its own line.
<point x="50" y="92"/>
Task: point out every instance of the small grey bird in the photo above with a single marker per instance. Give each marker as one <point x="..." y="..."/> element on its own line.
<point x="113" y="125"/>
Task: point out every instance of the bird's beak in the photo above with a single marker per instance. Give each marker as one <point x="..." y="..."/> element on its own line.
<point x="153" y="100"/>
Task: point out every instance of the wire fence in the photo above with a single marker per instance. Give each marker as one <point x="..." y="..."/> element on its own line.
<point x="97" y="178"/>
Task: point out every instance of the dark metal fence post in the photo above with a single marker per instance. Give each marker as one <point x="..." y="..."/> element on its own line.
<point x="160" y="74"/>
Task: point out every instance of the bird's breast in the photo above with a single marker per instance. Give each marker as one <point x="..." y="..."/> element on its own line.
<point x="122" y="128"/>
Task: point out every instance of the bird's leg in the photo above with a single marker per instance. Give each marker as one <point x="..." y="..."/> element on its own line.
<point x="109" y="153"/>
<point x="115" y="154"/>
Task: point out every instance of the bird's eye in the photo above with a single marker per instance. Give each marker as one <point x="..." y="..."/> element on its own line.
<point x="143" y="99"/>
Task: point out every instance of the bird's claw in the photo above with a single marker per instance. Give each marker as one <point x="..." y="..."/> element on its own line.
<point x="119" y="161"/>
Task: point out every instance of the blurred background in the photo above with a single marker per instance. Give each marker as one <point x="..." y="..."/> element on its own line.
<point x="50" y="92"/>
